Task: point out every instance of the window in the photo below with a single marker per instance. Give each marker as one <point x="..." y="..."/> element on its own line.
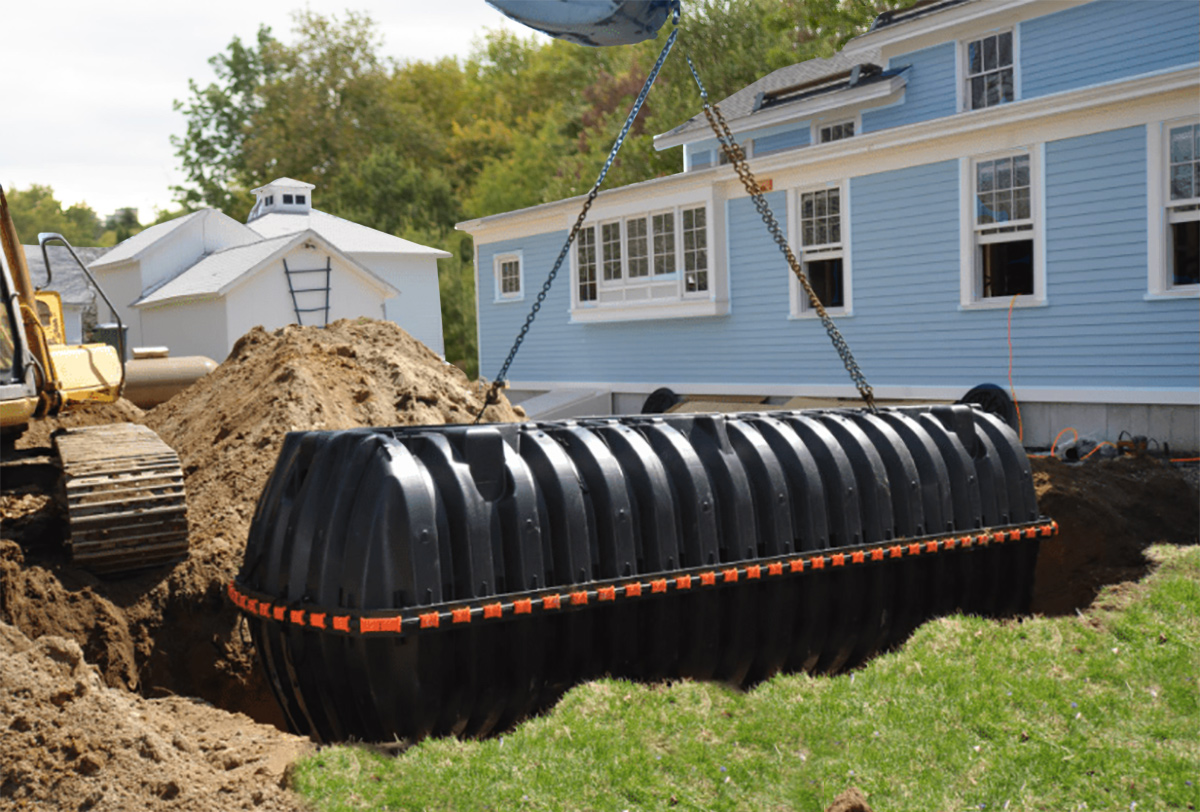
<point x="836" y="132"/>
<point x="287" y="199"/>
<point x="1003" y="241"/>
<point x="270" y="200"/>
<point x="645" y="265"/>
<point x="585" y="255"/>
<point x="822" y="254"/>
<point x="300" y="199"/>
<point x="1183" y="205"/>
<point x="989" y="71"/>
<point x="509" y="281"/>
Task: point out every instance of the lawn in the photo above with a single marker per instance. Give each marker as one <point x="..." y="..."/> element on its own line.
<point x="1095" y="711"/>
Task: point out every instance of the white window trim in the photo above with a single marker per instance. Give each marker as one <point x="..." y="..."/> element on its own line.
<point x="962" y="101"/>
<point x="798" y="305"/>
<point x="497" y="261"/>
<point x="1158" y="285"/>
<point x="709" y="302"/>
<point x="969" y="281"/>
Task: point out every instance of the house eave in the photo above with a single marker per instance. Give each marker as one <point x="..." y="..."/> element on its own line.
<point x="977" y="13"/>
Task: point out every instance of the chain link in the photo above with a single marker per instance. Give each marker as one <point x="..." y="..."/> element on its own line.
<point x="737" y="157"/>
<point x="493" y="393"/>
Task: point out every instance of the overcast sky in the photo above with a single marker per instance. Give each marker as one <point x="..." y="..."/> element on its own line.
<point x="90" y="85"/>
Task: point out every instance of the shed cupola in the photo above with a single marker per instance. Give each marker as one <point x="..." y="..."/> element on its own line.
<point x="282" y="196"/>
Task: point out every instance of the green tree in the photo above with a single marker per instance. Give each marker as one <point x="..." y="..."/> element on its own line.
<point x="36" y="210"/>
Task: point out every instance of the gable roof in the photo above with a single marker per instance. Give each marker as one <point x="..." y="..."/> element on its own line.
<point x="135" y="245"/>
<point x="348" y="236"/>
<point x="66" y="277"/>
<point x="290" y="182"/>
<point x="218" y="272"/>
<point x="744" y="102"/>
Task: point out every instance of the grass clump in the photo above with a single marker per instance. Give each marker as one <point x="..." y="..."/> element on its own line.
<point x="1098" y="711"/>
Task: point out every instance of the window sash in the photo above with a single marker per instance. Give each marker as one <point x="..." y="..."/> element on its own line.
<point x="585" y="253"/>
<point x="610" y="249"/>
<point x="637" y="247"/>
<point x="821" y="219"/>
<point x="695" y="249"/>
<point x="990" y="71"/>
<point x="510" y="277"/>
<point x="663" y="243"/>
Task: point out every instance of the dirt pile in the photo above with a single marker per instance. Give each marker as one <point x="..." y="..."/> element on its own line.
<point x="1108" y="512"/>
<point x="170" y="630"/>
<point x="71" y="742"/>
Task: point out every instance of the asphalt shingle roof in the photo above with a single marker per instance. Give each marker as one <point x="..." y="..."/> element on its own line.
<point x="66" y="277"/>
<point x="133" y="246"/>
<point x="215" y="271"/>
<point x="348" y="236"/>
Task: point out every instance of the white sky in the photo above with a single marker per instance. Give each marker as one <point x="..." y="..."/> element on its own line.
<point x="89" y="86"/>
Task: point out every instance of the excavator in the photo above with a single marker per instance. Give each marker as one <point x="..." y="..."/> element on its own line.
<point x="126" y="505"/>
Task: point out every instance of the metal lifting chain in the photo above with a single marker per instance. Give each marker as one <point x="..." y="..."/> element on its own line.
<point x="737" y="158"/>
<point x="493" y="393"/>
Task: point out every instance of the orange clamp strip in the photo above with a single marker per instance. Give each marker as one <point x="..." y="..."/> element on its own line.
<point x="524" y="606"/>
<point x="367" y="625"/>
<point x="683" y="582"/>
<point x="491" y="610"/>
<point x="633" y="590"/>
<point x="607" y="593"/>
<point x="895" y="551"/>
<point x="775" y="568"/>
<point x="341" y="623"/>
<point x="858" y="557"/>
<point x="279" y="612"/>
<point x="708" y="578"/>
<point x="552" y="602"/>
<point x="797" y="565"/>
<point x="730" y="575"/>
<point x="430" y="620"/>
<point x="754" y="571"/>
<point x="838" y="559"/>
<point x="659" y="586"/>
<point x="296" y="616"/>
<point x="462" y="615"/>
<point x="877" y="554"/>
<point x="317" y="621"/>
<point x="931" y="546"/>
<point x="817" y="563"/>
<point x="914" y="549"/>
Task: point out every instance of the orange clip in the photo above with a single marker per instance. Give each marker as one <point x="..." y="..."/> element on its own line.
<point x="462" y="615"/>
<point x="524" y="606"/>
<point x="914" y="549"/>
<point x="775" y="568"/>
<point x="708" y="578"/>
<point x="797" y="565"/>
<point x="659" y="585"/>
<point x="552" y="602"/>
<point x="999" y="537"/>
<point x="633" y="590"/>
<point x="949" y="544"/>
<point x="279" y="613"/>
<point x="858" y="557"/>
<point x="931" y="547"/>
<point x="754" y="571"/>
<point x="895" y="551"/>
<point x="251" y="606"/>
<point x="430" y="620"/>
<point x="341" y="623"/>
<point x="317" y="621"/>
<point x="579" y="598"/>
<point x="296" y="616"/>
<point x="264" y="609"/>
<point x="730" y="575"/>
<point x="1054" y="527"/>
<point x="606" y="593"/>
<point x="1014" y="535"/>
<point x="367" y="625"/>
<point x="983" y="539"/>
<point x="491" y="610"/>
<point x="838" y="559"/>
<point x="817" y="563"/>
<point x="683" y="582"/>
<point x="1031" y="532"/>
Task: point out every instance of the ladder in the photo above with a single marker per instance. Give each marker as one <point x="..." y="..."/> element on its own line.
<point x="295" y="291"/>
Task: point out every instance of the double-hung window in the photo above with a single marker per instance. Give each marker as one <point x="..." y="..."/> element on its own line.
<point x="640" y="264"/>
<point x="990" y="78"/>
<point x="821" y="224"/>
<point x="1002" y="229"/>
<point x="1183" y="205"/>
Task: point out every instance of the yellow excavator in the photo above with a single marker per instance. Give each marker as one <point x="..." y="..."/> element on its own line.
<point x="126" y="505"/>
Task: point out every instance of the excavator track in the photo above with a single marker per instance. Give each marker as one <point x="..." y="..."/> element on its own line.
<point x="126" y="505"/>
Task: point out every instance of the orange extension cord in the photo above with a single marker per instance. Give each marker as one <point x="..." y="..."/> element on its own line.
<point x="1021" y="426"/>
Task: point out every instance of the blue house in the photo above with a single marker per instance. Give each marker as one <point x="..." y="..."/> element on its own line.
<point x="961" y="162"/>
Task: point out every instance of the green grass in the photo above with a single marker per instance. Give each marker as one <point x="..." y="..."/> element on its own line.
<point x="1099" y="711"/>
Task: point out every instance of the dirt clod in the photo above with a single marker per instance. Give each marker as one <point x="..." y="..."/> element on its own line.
<point x="852" y="800"/>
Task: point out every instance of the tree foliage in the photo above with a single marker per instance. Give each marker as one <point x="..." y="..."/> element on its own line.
<point x="412" y="147"/>
<point x="35" y="210"/>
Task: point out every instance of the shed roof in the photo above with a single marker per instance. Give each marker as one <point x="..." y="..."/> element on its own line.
<point x="215" y="273"/>
<point x="66" y="277"/>
<point x="348" y="236"/>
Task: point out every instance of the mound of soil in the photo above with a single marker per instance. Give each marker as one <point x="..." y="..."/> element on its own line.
<point x="71" y="742"/>
<point x="170" y="630"/>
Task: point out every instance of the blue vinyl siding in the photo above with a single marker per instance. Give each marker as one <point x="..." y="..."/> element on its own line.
<point x="1106" y="40"/>
<point x="929" y="90"/>
<point x="1097" y="331"/>
<point x="702" y="158"/>
<point x="789" y="139"/>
